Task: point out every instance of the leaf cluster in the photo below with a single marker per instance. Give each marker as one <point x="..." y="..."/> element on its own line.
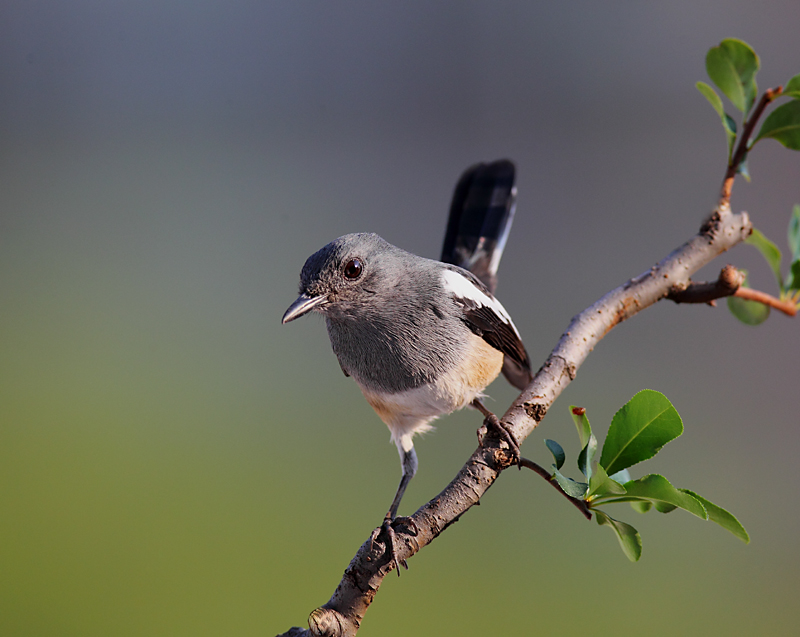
<point x="638" y="431"/>
<point x="732" y="66"/>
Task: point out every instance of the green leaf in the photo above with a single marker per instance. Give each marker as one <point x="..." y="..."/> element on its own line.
<point x="793" y="278"/>
<point x="663" y="495"/>
<point x="769" y="251"/>
<point x="794" y="232"/>
<point x="732" y="66"/>
<point x="629" y="538"/>
<point x="727" y="121"/>
<point x="588" y="441"/>
<point x="641" y="506"/>
<point x="557" y="451"/>
<point x="783" y="125"/>
<point x="639" y="430"/>
<point x="748" y="312"/>
<point x="600" y="484"/>
<point x="729" y="124"/>
<point x="570" y="486"/>
<point x="621" y="476"/>
<point x="722" y="517"/>
<point x="587" y="455"/>
<point x="614" y="500"/>
<point x="792" y="88"/>
<point x="711" y="95"/>
<point x="743" y="170"/>
<point x="582" y="423"/>
<point x="663" y="507"/>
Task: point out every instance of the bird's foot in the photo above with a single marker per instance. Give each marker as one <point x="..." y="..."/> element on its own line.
<point x="388" y="533"/>
<point x="492" y="423"/>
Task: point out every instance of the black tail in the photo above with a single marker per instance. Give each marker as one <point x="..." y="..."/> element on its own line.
<point x="480" y="218"/>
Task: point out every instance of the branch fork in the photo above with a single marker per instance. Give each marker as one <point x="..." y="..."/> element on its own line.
<point x="727" y="284"/>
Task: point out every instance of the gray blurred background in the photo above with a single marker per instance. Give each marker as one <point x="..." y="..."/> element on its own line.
<point x="173" y="461"/>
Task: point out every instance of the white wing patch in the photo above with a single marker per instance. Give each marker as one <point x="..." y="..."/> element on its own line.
<point x="462" y="288"/>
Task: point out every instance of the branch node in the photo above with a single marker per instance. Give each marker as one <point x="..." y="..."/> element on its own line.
<point x="572" y="370"/>
<point x="325" y="622"/>
<point x="730" y="278"/>
<point x="728" y="282"/>
<point x="712" y="223"/>
<point x="537" y="411"/>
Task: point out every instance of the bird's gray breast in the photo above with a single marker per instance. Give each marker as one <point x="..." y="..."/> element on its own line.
<point x="399" y="340"/>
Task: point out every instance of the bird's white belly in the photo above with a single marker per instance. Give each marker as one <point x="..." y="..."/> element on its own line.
<point x="409" y="412"/>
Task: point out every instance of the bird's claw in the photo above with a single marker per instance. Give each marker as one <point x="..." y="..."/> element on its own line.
<point x="390" y="535"/>
<point x="492" y="422"/>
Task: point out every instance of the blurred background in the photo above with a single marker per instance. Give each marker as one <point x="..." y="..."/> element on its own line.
<point x="173" y="461"/>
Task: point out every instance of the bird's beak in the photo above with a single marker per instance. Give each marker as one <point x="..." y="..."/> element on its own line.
<point x="303" y="305"/>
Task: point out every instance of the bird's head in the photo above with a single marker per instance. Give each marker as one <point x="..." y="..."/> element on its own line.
<point x="339" y="278"/>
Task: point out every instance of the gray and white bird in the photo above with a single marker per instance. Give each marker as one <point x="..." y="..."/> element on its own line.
<point x="422" y="338"/>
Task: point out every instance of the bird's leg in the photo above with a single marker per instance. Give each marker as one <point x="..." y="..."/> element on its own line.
<point x="387" y="529"/>
<point x="493" y="422"/>
<point x="401" y="489"/>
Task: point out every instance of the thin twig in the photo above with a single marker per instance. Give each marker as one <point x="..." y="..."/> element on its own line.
<point x="740" y="153"/>
<point x="787" y="307"/>
<point x="580" y="504"/>
<point x="728" y="284"/>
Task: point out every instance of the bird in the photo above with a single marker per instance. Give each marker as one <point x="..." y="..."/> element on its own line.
<point x="422" y="338"/>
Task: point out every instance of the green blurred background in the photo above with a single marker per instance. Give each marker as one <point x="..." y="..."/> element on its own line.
<point x="173" y="461"/>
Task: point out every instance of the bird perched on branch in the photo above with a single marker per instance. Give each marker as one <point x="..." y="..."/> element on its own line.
<point x="422" y="338"/>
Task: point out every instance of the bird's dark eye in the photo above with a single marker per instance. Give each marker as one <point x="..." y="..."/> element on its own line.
<point x="353" y="269"/>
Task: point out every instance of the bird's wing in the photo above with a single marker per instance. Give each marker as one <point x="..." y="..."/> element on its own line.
<point x="486" y="317"/>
